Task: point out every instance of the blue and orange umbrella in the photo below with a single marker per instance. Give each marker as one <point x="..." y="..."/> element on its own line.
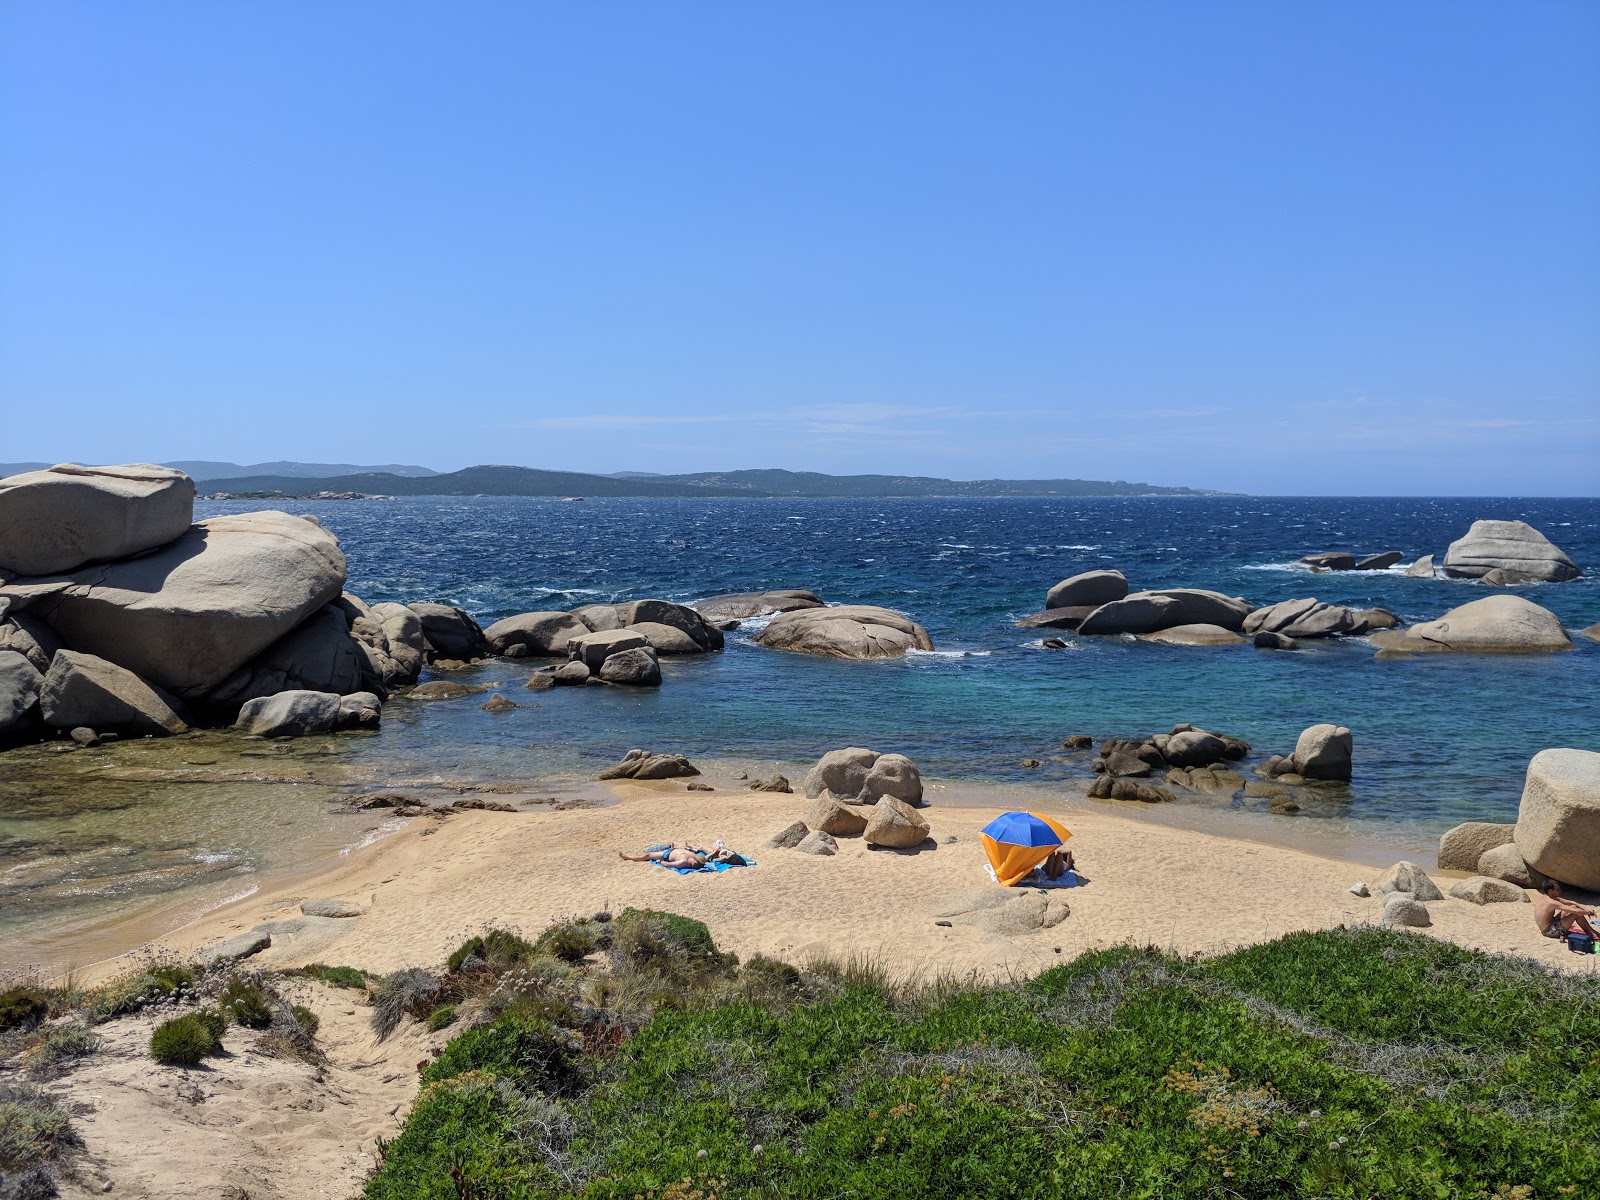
<point x="1017" y="842"/>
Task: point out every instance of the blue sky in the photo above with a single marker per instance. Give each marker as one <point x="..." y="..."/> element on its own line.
<point x="1311" y="247"/>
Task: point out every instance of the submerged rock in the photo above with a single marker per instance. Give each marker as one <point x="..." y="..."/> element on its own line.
<point x="641" y="764"/>
<point x="1512" y="546"/>
<point x="60" y="518"/>
<point x="1330" y="560"/>
<point x="1194" y="635"/>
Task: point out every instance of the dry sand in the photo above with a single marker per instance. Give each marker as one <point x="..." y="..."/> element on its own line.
<point x="278" y="1131"/>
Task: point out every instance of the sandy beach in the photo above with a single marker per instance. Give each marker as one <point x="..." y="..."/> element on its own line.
<point x="427" y="887"/>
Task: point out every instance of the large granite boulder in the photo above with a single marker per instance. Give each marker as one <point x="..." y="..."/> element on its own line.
<point x="1423" y="568"/>
<point x="1309" y="618"/>
<point x="1558" y="823"/>
<point x="58" y="519"/>
<point x="1461" y="847"/>
<point x="592" y="649"/>
<point x="1506" y="862"/>
<point x="189" y="614"/>
<point x="635" y="667"/>
<point x="681" y="617"/>
<point x="1194" y="635"/>
<point x="534" y="634"/>
<point x="1500" y="624"/>
<point x="1057" y="618"/>
<point x="1093" y="588"/>
<point x="1147" y="612"/>
<point x="1379" y="562"/>
<point x="393" y="635"/>
<point x="1409" y="878"/>
<point x="859" y="776"/>
<point x="80" y="689"/>
<point x="642" y="764"/>
<point x="1511" y="546"/>
<point x="27" y="634"/>
<point x="320" y="656"/>
<point x="20" y="682"/>
<point x="1481" y="889"/>
<point x="829" y="815"/>
<point x="290" y="714"/>
<point x="598" y="617"/>
<point x="895" y="824"/>
<point x="1324" y="752"/>
<point x="449" y="632"/>
<point x="741" y="606"/>
<point x="848" y="631"/>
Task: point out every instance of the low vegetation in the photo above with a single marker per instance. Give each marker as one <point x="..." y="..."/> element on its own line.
<point x="1346" y="1063"/>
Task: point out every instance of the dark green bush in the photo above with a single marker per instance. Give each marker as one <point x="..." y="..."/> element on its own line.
<point x="573" y="941"/>
<point x="692" y="936"/>
<point x="138" y="990"/>
<point x="500" y="949"/>
<point x="214" y="1019"/>
<point x="441" y="1017"/>
<point x="184" y="1041"/>
<point x="306" y="1019"/>
<point x="339" y="977"/>
<point x="532" y="1055"/>
<point x="21" y="1006"/>
<point x="246" y="1002"/>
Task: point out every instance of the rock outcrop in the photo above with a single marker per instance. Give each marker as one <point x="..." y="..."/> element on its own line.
<point x="1092" y="588"/>
<point x="450" y="633"/>
<point x="1514" y="547"/>
<point x="534" y="634"/>
<point x="1460" y="848"/>
<point x="1324" y="752"/>
<point x="1148" y="612"/>
<point x="848" y="631"/>
<point x="58" y="519"/>
<point x="859" y="776"/>
<point x="1501" y="624"/>
<point x="641" y="764"/>
<point x="1558" y="822"/>
<point x="1330" y="560"/>
<point x="81" y="689"/>
<point x="330" y="654"/>
<point x="20" y="682"/>
<point x="1506" y="862"/>
<point x="1379" y="562"/>
<point x="1309" y="618"/>
<point x="1423" y="568"/>
<point x="741" y="606"/>
<point x="187" y="615"/>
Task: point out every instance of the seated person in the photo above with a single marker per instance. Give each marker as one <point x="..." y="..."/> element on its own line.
<point x="1057" y="864"/>
<point x="1556" y="916"/>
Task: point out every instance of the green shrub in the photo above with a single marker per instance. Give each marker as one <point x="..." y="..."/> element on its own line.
<point x="692" y="937"/>
<point x="214" y="1019"/>
<point x="34" y="1131"/>
<point x="21" y="1006"/>
<point x="139" y="990"/>
<point x="306" y="1019"/>
<point x="442" y="1016"/>
<point x="409" y="992"/>
<point x="500" y="949"/>
<point x="184" y="1041"/>
<point x="573" y="941"/>
<point x="246" y="1002"/>
<point x="339" y="977"/>
<point x="532" y="1055"/>
<point x="61" y="1045"/>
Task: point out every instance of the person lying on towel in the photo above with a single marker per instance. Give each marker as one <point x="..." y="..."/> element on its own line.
<point x="686" y="857"/>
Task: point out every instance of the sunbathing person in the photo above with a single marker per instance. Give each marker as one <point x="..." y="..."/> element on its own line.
<point x="690" y="857"/>
<point x="1556" y="916"/>
<point x="1057" y="864"/>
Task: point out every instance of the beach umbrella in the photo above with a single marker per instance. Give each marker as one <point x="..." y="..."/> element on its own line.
<point x="1017" y="842"/>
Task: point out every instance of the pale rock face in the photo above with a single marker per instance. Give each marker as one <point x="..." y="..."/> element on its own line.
<point x="741" y="606"/>
<point x="1512" y="546"/>
<point x="1421" y="569"/>
<point x="1493" y="625"/>
<point x="1194" y="635"/>
<point x="20" y="682"/>
<point x="895" y="824"/>
<point x="1324" y="752"/>
<point x="828" y="815"/>
<point x="80" y="689"/>
<point x="58" y="519"/>
<point x="856" y="775"/>
<point x="1461" y="848"/>
<point x="635" y="667"/>
<point x="1506" y="862"/>
<point x="592" y="649"/>
<point x="541" y="634"/>
<point x="1309" y="618"/>
<point x="1558" y="823"/>
<point x="848" y="631"/>
<point x="633" y="613"/>
<point x="188" y="615"/>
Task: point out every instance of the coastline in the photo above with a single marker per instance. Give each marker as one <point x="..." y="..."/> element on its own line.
<point x="427" y="886"/>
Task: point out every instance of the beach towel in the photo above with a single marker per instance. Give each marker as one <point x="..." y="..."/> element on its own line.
<point x="709" y="868"/>
<point x="1036" y="879"/>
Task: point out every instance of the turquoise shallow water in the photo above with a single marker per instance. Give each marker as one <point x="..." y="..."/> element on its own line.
<point x="1438" y="739"/>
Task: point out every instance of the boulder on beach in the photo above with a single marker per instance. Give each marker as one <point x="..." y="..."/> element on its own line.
<point x="592" y="649"/>
<point x="1506" y="862"/>
<point x="1461" y="847"/>
<point x="642" y="764"/>
<point x="895" y="824"/>
<point x="828" y="814"/>
<point x="1057" y="618"/>
<point x="1092" y="588"/>
<point x="539" y="634"/>
<point x="450" y="633"/>
<point x="856" y="775"/>
<point x="1409" y="878"/>
<point x="60" y="518"/>
<point x="1511" y="546"/>
<point x="1324" y="752"/>
<point x="187" y="615"/>
<point x="634" y="667"/>
<point x="1194" y="635"/>
<point x="81" y="689"/>
<point x="20" y="682"/>
<point x="1423" y="568"/>
<point x="741" y="606"/>
<point x="819" y="843"/>
<point x="1481" y="889"/>
<point x="1501" y="624"/>
<point x="1558" y="822"/>
<point x="1308" y="618"/>
<point x="847" y="631"/>
<point x="28" y="635"/>
<point x="789" y="836"/>
<point x="1405" y="910"/>
<point x="1147" y="612"/>
<point x="290" y="714"/>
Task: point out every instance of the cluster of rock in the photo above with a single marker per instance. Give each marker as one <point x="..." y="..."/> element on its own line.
<point x="642" y="764"/>
<point x="1196" y="759"/>
<point x="1498" y="553"/>
<point x="118" y="612"/>
<point x="1556" y="834"/>
<point x="857" y="792"/>
<point x="1335" y="560"/>
<point x="1322" y="752"/>
<point x="744" y="606"/>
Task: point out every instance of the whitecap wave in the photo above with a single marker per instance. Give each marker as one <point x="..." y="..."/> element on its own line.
<point x="949" y="653"/>
<point x="374" y="835"/>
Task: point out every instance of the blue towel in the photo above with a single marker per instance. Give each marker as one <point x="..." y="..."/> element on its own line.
<point x="709" y="867"/>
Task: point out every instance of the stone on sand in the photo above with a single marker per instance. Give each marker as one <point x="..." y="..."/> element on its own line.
<point x="1481" y="889"/>
<point x="1409" y="878"/>
<point x="1558" y="822"/>
<point x="895" y="824"/>
<point x="1403" y="909"/>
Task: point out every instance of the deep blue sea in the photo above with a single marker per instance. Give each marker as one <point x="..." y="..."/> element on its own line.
<point x="1438" y="739"/>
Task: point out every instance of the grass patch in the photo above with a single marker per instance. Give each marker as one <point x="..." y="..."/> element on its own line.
<point x="58" y="1048"/>
<point x="441" y="1018"/>
<point x="159" y="984"/>
<point x="21" y="1007"/>
<point x="410" y="992"/>
<point x="339" y="977"/>
<point x="495" y="950"/>
<point x="1341" y="1064"/>
<point x="36" y="1135"/>
<point x="185" y="1041"/>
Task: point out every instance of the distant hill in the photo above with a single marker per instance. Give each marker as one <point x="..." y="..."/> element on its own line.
<point x="203" y="471"/>
<point x="529" y="481"/>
